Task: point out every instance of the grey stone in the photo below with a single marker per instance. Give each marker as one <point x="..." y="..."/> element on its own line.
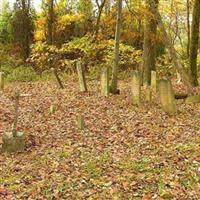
<point x="136" y="88"/>
<point x="105" y="82"/>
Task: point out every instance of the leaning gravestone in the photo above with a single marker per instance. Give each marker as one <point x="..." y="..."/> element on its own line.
<point x="14" y="141"/>
<point x="81" y="77"/>
<point x="167" y="96"/>
<point x="105" y="82"/>
<point x="153" y="81"/>
<point x="136" y="88"/>
<point x="57" y="78"/>
<point x="1" y="81"/>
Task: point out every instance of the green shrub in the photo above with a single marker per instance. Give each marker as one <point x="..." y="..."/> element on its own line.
<point x="22" y="74"/>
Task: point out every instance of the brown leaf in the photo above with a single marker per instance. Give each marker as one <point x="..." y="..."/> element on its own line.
<point x="146" y="197"/>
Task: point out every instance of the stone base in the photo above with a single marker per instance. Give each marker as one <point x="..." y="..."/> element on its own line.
<point x="13" y="144"/>
<point x="193" y="99"/>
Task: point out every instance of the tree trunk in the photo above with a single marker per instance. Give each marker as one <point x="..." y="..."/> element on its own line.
<point x="194" y="42"/>
<point x="188" y="28"/>
<point x="50" y="21"/>
<point x="100" y="10"/>
<point x="26" y="40"/>
<point x="149" y="46"/>
<point x="172" y="51"/>
<point x="114" y="79"/>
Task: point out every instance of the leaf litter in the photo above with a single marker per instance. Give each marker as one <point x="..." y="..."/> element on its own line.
<point x="125" y="152"/>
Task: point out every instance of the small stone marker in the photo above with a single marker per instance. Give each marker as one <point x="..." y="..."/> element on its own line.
<point x="136" y="88"/>
<point x="14" y="141"/>
<point x="1" y="81"/>
<point x="153" y="81"/>
<point x="52" y="109"/>
<point x="81" y="77"/>
<point x="193" y="99"/>
<point x="148" y="95"/>
<point x="167" y="96"/>
<point x="80" y="122"/>
<point x="105" y="82"/>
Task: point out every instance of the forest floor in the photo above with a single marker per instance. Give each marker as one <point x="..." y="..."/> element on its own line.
<point x="125" y="152"/>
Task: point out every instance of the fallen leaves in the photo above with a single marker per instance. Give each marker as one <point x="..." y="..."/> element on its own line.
<point x="124" y="151"/>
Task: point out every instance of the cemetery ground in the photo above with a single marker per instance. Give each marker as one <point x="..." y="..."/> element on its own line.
<point x="124" y="152"/>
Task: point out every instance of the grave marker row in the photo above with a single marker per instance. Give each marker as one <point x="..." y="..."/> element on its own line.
<point x="165" y="90"/>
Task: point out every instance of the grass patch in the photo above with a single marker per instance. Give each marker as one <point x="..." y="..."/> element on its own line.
<point x="92" y="170"/>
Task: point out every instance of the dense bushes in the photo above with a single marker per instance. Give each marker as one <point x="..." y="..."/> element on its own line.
<point x="13" y="67"/>
<point x="92" y="54"/>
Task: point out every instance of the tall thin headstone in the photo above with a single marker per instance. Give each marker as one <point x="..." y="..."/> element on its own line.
<point x="153" y="81"/>
<point x="167" y="98"/>
<point x="148" y="94"/>
<point x="81" y="77"/>
<point x="80" y="122"/>
<point x="136" y="88"/>
<point x="105" y="82"/>
<point x="1" y="81"/>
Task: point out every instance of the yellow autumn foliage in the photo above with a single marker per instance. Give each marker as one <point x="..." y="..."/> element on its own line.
<point x="39" y="35"/>
<point x="67" y="20"/>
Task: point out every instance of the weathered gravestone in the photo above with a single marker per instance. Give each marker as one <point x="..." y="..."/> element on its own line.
<point x="136" y="88"/>
<point x="80" y="122"/>
<point x="148" y="93"/>
<point x="153" y="81"/>
<point x="14" y="141"/>
<point x="52" y="109"/>
<point x="57" y="78"/>
<point x="105" y="82"/>
<point x="1" y="81"/>
<point x="167" y="96"/>
<point x="81" y="77"/>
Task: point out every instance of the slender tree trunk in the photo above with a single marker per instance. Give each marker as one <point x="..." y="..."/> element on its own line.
<point x="188" y="28"/>
<point x="194" y="42"/>
<point x="50" y="33"/>
<point x="114" y="79"/>
<point x="149" y="45"/>
<point x="50" y="22"/>
<point x="100" y="8"/>
<point x="97" y="24"/>
<point x="26" y="40"/>
<point x="172" y="51"/>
